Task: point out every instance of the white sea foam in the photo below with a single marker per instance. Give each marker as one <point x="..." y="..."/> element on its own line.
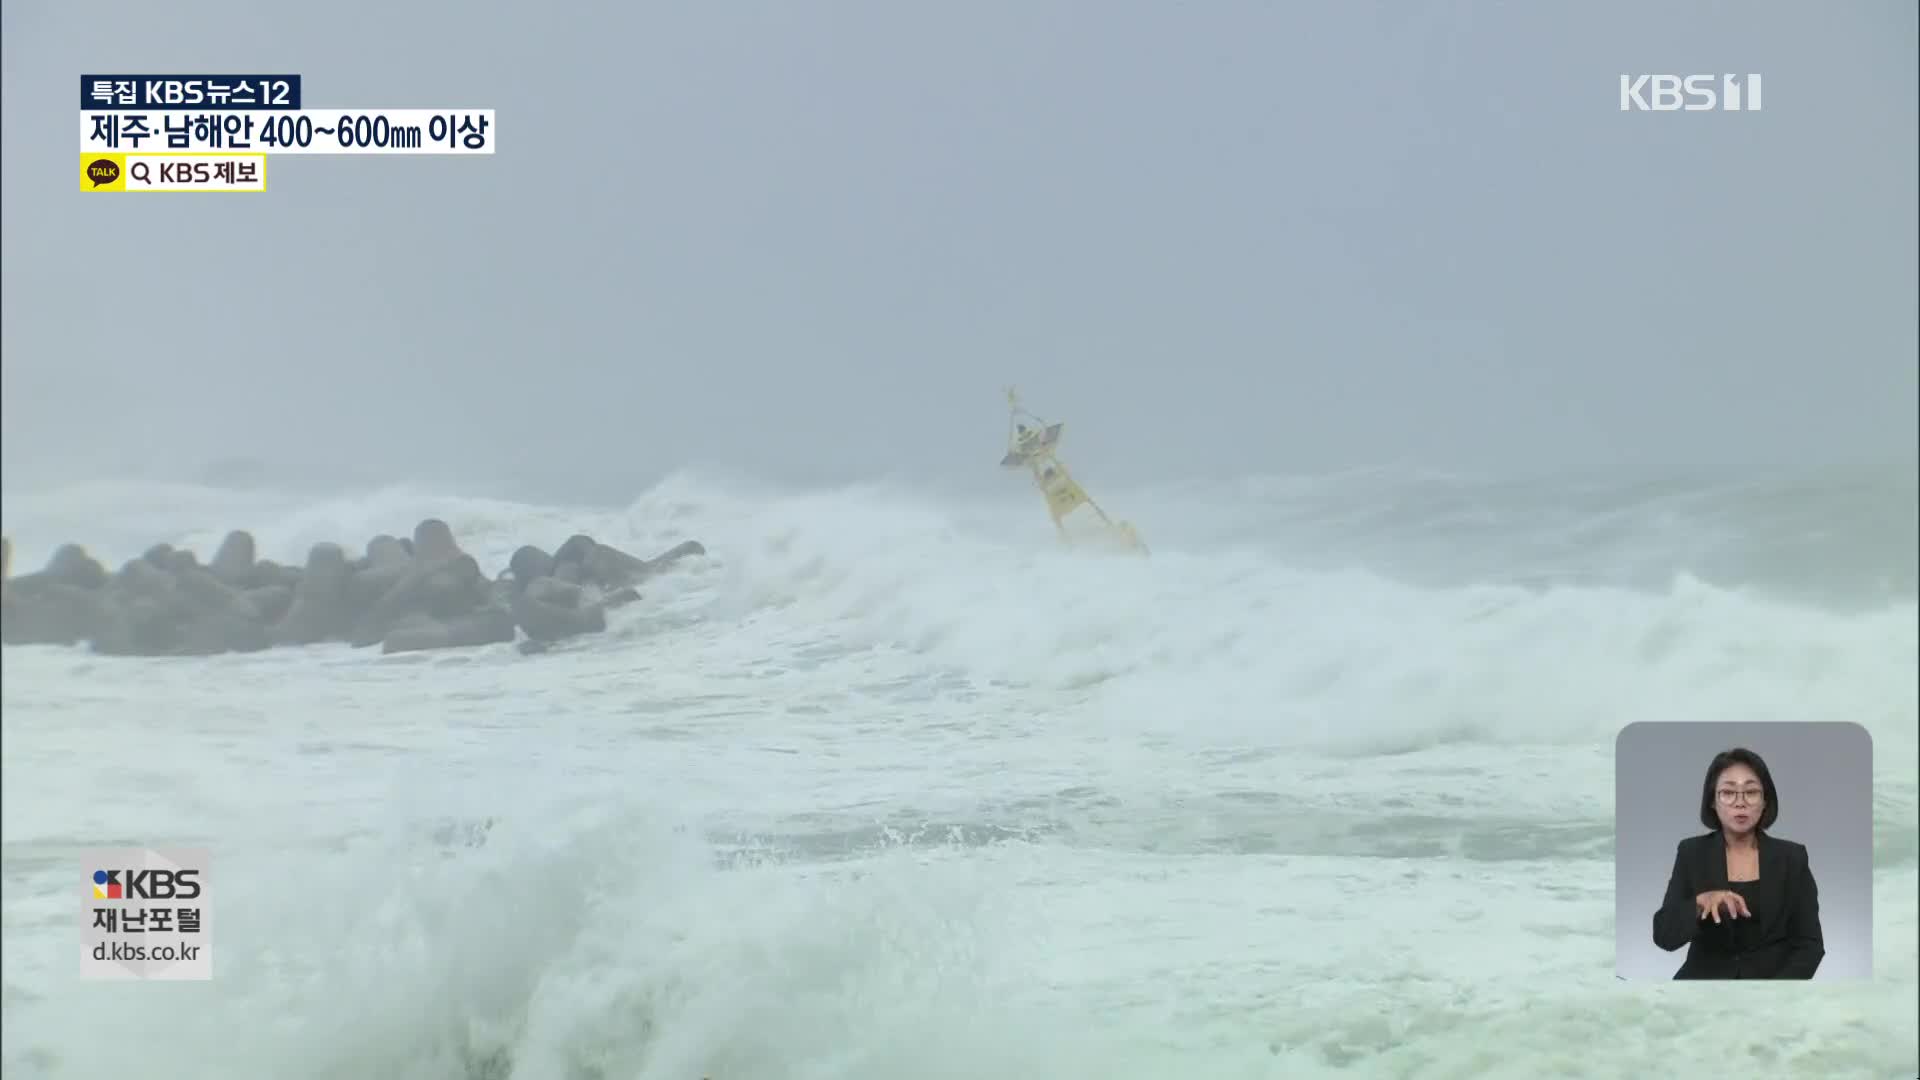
<point x="890" y="787"/>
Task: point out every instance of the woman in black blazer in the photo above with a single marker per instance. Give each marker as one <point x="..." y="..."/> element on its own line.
<point x="1743" y="902"/>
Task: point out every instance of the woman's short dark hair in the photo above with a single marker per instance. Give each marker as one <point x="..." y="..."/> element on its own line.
<point x="1722" y="761"/>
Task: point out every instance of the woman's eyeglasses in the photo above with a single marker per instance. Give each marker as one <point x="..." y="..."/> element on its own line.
<point x="1730" y="796"/>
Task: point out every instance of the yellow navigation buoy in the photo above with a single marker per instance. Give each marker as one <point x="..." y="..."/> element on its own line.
<point x="1076" y="517"/>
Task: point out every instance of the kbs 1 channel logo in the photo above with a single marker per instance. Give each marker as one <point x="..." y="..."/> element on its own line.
<point x="1690" y="93"/>
<point x="146" y="914"/>
<point x="215" y="132"/>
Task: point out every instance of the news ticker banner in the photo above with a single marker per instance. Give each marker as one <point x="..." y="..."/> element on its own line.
<point x="214" y="132"/>
<point x="146" y="914"/>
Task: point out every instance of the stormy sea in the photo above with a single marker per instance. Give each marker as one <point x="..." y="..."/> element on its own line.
<point x="889" y="785"/>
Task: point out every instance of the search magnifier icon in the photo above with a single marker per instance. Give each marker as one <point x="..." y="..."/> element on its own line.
<point x="141" y="173"/>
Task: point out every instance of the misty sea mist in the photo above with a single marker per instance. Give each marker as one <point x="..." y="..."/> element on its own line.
<point x="889" y="785"/>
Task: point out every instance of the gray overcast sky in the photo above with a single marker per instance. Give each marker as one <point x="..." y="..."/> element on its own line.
<point x="799" y="238"/>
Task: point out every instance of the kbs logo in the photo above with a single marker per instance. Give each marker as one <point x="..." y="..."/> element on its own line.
<point x="1689" y="93"/>
<point x="145" y="884"/>
<point x="145" y="912"/>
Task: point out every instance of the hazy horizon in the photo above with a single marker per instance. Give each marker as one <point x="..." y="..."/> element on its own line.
<point x="1223" y="238"/>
